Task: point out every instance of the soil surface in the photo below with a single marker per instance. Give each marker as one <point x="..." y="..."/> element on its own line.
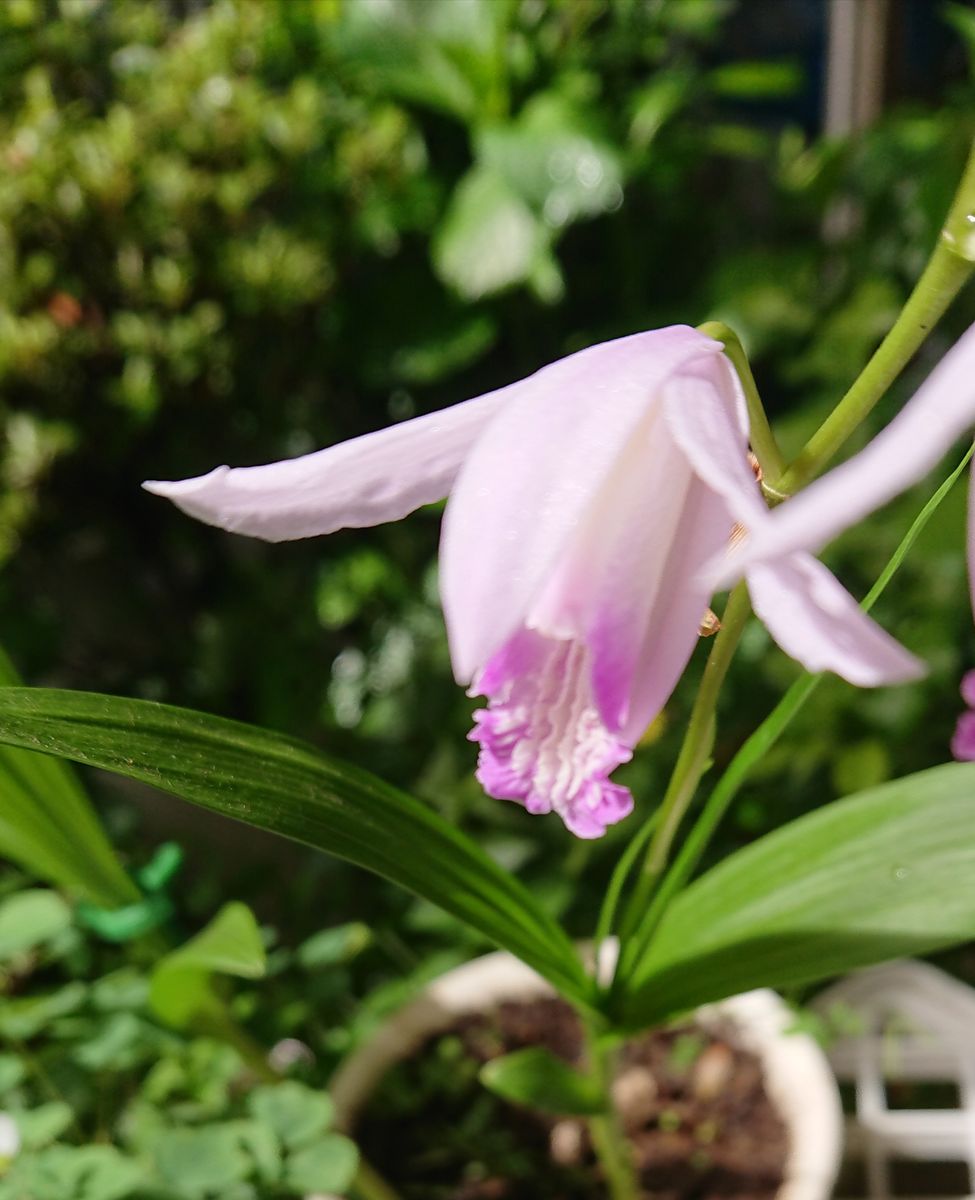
<point x="694" y="1105"/>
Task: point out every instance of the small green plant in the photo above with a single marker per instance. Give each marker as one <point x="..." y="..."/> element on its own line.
<point x="114" y="1095"/>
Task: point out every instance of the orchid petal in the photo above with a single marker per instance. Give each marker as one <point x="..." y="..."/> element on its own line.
<point x="963" y="741"/>
<point x="817" y="622"/>
<point x="527" y="487"/>
<point x="614" y="569"/>
<point x="671" y="631"/>
<point x="901" y="454"/>
<point x="970" y="540"/>
<point x="369" y="480"/>
<point x="707" y="417"/>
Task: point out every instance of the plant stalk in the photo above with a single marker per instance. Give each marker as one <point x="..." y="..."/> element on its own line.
<point x="621" y="873"/>
<point x="608" y="1136"/>
<point x="691" y="762"/>
<point x="948" y="269"/>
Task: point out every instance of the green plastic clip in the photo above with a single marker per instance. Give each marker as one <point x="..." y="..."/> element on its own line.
<point x="135" y="920"/>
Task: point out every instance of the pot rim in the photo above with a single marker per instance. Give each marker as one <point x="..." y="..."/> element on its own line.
<point x="797" y="1075"/>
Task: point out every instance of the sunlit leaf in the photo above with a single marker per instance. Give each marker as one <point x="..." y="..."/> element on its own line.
<point x="29" y="918"/>
<point x="490" y="239"/>
<point x="230" y="945"/>
<point x="886" y="873"/>
<point x="536" y="1078"/>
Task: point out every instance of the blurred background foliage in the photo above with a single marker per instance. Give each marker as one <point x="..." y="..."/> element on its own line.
<point x="237" y="230"/>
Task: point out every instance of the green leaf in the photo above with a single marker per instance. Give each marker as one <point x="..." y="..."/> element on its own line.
<point x="653" y="105"/>
<point x="198" y="1161"/>
<point x="296" y="1113"/>
<point x="179" y="989"/>
<point x="556" y="158"/>
<point x="440" y="54"/>
<point x="40" y="1126"/>
<point x="537" y="1079"/>
<point x="757" y="80"/>
<point x="12" y="1071"/>
<point x="263" y="1146"/>
<point x="26" y="1016"/>
<point x="78" y="1172"/>
<point x="287" y="787"/>
<point x="30" y="918"/>
<point x="963" y="20"/>
<point x="326" y="1166"/>
<point x="332" y="947"/>
<point x="876" y="876"/>
<point x="124" y="989"/>
<point x="120" y="1042"/>
<point x="489" y="238"/>
<point x="47" y="824"/>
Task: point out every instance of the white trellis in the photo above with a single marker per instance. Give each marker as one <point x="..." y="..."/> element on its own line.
<point x="907" y="1021"/>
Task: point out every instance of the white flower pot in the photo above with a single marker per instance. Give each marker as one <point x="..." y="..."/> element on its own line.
<point x="798" y="1078"/>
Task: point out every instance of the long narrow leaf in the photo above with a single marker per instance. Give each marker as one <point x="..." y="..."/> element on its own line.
<point x="888" y="872"/>
<point x="291" y="789"/>
<point x="47" y="824"/>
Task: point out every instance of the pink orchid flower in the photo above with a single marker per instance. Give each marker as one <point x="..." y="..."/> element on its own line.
<point x="584" y="503"/>
<point x="963" y="740"/>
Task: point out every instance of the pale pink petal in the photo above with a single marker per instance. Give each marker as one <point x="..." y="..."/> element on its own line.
<point x="534" y="477"/>
<point x="968" y="688"/>
<point x="816" y="621"/>
<point x="941" y="410"/>
<point x="614" y="573"/>
<point x="671" y="631"/>
<point x="369" y="480"/>
<point x="708" y="420"/>
<point x="963" y="741"/>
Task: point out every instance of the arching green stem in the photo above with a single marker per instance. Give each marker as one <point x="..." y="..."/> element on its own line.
<point x="949" y="268"/>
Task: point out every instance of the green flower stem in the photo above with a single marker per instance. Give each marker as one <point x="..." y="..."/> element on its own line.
<point x="691" y="763"/>
<point x="621" y="872"/>
<point x="948" y="269"/>
<point x="760" y="434"/>
<point x="369" y="1185"/>
<point x="609" y="1139"/>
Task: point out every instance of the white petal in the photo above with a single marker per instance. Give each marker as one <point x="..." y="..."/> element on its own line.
<point x="816" y="621"/>
<point x="671" y="629"/>
<point x="901" y="454"/>
<point x="627" y="582"/>
<point x="369" y="480"/>
<point x="709" y="423"/>
<point x="530" y="482"/>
